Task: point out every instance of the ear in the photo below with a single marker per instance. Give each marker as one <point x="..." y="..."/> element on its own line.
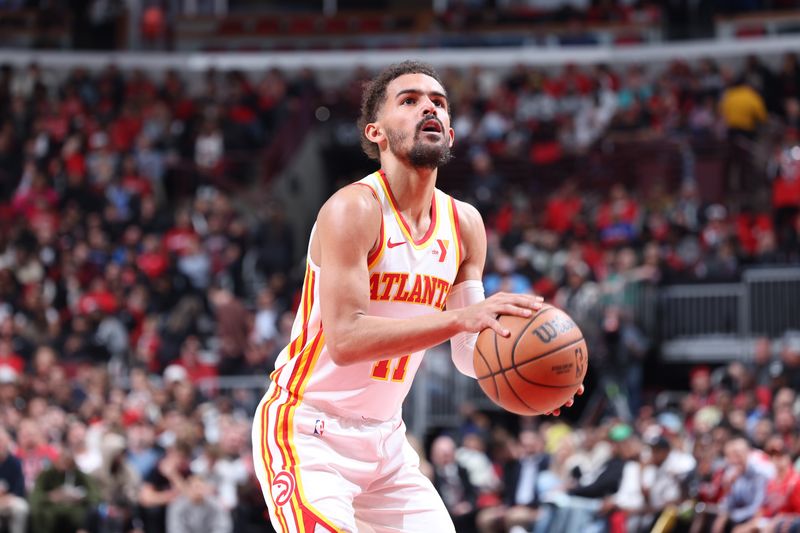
<point x="374" y="133"/>
<point x="452" y="134"/>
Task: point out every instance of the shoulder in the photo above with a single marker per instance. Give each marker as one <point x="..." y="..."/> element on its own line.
<point x="355" y="204"/>
<point x="468" y="215"/>
<point x="470" y="223"/>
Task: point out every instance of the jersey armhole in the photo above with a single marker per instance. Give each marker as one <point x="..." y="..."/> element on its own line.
<point x="457" y="233"/>
<point x="377" y="248"/>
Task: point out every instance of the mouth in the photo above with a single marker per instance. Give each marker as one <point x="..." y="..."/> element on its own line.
<point x="431" y="126"/>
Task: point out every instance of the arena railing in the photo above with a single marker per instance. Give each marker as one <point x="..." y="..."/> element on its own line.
<point x="714" y="322"/>
<point x="333" y="62"/>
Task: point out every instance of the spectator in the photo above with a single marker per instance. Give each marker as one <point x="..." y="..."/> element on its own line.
<point x="664" y="480"/>
<point x="577" y="508"/>
<point x="782" y="496"/>
<point x="472" y="456"/>
<point x="194" y="511"/>
<point x="13" y="505"/>
<point x="605" y="480"/>
<point x="521" y="491"/>
<point x="86" y="457"/>
<point x="745" y="487"/>
<point x="627" y="507"/>
<point x="33" y="451"/>
<point x="118" y="486"/>
<point x="233" y="328"/>
<point x="266" y="319"/>
<point x="62" y="496"/>
<point x="743" y="110"/>
<point x="224" y="466"/>
<point x="451" y="481"/>
<point x="142" y="451"/>
<point x="162" y="487"/>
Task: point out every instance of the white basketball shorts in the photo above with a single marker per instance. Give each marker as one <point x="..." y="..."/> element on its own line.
<point x="322" y="473"/>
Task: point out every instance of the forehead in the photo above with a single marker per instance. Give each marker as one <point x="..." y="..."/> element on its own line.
<point x="416" y="81"/>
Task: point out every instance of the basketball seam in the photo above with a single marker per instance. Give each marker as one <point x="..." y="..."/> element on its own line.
<point x="497" y="354"/>
<point x="536" y="359"/>
<point x="523" y="378"/>
<point x="511" y="388"/>
<point x="521" y="333"/>
<point x="500" y="365"/>
<point x="546" y="385"/>
<point x="494" y="380"/>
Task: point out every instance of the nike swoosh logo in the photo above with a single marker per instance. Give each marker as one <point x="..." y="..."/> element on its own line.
<point x="390" y="244"/>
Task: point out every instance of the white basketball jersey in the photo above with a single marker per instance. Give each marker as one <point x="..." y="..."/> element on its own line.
<point x="407" y="278"/>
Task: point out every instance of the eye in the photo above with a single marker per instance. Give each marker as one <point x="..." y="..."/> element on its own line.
<point x="438" y="103"/>
<point x="408" y="100"/>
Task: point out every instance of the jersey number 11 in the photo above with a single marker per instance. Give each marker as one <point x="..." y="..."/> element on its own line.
<point x="381" y="369"/>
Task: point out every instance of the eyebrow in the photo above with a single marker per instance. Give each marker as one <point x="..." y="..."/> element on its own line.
<point x="419" y="91"/>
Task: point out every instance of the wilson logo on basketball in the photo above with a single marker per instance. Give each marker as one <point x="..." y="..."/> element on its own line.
<point x="559" y="370"/>
<point x="282" y="488"/>
<point x="552" y="328"/>
<point x="580" y="362"/>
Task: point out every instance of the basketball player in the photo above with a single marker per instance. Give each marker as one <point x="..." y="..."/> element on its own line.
<point x="394" y="267"/>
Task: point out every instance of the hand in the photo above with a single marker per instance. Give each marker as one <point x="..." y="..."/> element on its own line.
<point x="579" y="392"/>
<point x="607" y="506"/>
<point x="57" y="495"/>
<point x="462" y="508"/>
<point x="482" y="315"/>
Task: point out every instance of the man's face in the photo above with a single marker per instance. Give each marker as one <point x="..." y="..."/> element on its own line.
<point x="736" y="454"/>
<point x="415" y="121"/>
<point x="659" y="455"/>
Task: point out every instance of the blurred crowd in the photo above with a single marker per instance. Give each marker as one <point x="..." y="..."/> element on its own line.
<point x="723" y="456"/>
<point x="135" y="277"/>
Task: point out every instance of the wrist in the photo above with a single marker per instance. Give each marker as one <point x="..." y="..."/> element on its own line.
<point x="455" y="323"/>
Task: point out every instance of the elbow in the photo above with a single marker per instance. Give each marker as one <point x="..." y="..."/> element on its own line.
<point x="339" y="350"/>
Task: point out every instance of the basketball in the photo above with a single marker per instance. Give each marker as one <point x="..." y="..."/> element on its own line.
<point x="538" y="368"/>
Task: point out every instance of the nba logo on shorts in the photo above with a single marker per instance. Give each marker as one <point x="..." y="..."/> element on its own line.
<point x="319" y="427"/>
<point x="282" y="488"/>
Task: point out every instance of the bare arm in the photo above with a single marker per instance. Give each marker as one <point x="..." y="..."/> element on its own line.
<point x="351" y="334"/>
<point x="149" y="496"/>
<point x="473" y="240"/>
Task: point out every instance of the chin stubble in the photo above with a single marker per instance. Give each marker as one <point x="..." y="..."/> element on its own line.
<point x="423" y="155"/>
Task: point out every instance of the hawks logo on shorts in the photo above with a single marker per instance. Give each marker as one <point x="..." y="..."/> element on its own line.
<point x="282" y="488"/>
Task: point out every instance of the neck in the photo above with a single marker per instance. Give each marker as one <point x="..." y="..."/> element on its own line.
<point x="412" y="187"/>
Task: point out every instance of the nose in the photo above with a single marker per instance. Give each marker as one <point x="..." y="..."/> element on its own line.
<point x="428" y="107"/>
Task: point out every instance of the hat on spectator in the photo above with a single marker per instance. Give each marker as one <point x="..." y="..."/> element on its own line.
<point x="175" y="373"/>
<point x="707" y="417"/>
<point x="132" y="417"/>
<point x="619" y="432"/>
<point x="7" y="375"/>
<point x="659" y="443"/>
<point x="670" y="423"/>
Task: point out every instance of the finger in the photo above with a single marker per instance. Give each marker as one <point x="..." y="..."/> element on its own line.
<point x="514" y="310"/>
<point x="570" y="402"/>
<point x="522" y="300"/>
<point x="556" y="412"/>
<point x="499" y="329"/>
<point x="580" y="390"/>
<point x="534" y="302"/>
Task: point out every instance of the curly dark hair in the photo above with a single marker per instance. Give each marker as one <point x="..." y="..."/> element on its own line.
<point x="375" y="95"/>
